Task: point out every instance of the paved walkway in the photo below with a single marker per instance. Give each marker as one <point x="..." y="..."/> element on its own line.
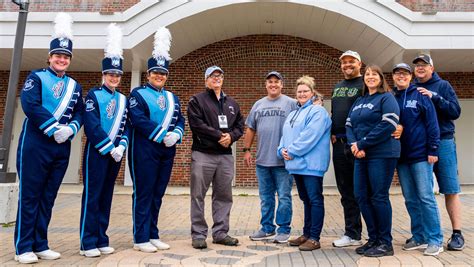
<point x="175" y="229"/>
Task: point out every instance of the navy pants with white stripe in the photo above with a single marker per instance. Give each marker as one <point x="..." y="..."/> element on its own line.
<point x="41" y="165"/>
<point x="150" y="164"/>
<point x="99" y="174"/>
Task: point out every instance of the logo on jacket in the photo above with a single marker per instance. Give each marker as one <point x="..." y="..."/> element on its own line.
<point x="28" y="85"/>
<point x="58" y="89"/>
<point x="63" y="42"/>
<point x="89" y="105"/>
<point x="132" y="102"/>
<point x="110" y="109"/>
<point x="231" y="109"/>
<point x="411" y="103"/>
<point x="161" y="102"/>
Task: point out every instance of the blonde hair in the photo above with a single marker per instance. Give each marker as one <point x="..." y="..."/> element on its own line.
<point x="308" y="81"/>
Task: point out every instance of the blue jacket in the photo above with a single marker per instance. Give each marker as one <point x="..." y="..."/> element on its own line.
<point x="306" y="136"/>
<point x="154" y="112"/>
<point x="420" y="136"/>
<point x="105" y="119"/>
<point x="370" y="123"/>
<point x="49" y="101"/>
<point x="446" y="104"/>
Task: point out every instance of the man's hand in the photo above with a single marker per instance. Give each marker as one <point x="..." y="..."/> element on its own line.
<point x="354" y="149"/>
<point x="284" y="153"/>
<point x="425" y="92"/>
<point x="61" y="135"/>
<point x="398" y="132"/>
<point x="360" y="154"/>
<point x="225" y="140"/>
<point x="248" y="158"/>
<point x="432" y="159"/>
<point x="333" y="139"/>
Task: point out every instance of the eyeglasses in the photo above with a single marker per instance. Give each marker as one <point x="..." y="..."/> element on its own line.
<point x="421" y="65"/>
<point x="399" y="73"/>
<point x="216" y="76"/>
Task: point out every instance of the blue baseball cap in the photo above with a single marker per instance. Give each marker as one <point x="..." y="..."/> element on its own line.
<point x="402" y="66"/>
<point x="274" y="73"/>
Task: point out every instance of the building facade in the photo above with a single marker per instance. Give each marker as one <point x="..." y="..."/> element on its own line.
<point x="248" y="39"/>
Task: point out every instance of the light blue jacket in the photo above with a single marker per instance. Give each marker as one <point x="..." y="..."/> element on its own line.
<point x="306" y="136"/>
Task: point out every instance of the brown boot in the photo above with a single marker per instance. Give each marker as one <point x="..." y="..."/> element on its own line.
<point x="309" y="245"/>
<point x="297" y="241"/>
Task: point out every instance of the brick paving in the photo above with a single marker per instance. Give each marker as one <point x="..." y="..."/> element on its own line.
<point x="175" y="229"/>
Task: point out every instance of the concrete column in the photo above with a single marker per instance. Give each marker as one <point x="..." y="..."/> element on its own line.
<point x="135" y="81"/>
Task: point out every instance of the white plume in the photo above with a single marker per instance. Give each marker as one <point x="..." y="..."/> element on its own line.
<point x="114" y="41"/>
<point x="63" y="26"/>
<point x="162" y="43"/>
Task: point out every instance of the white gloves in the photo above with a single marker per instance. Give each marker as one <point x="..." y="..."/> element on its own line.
<point x="117" y="153"/>
<point x="170" y="139"/>
<point x="62" y="134"/>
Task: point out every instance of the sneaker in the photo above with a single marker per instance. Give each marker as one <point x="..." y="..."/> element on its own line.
<point x="90" y="253"/>
<point x="346" y="241"/>
<point x="412" y="244"/>
<point x="227" y="241"/>
<point x="456" y="242"/>
<point x="199" y="243"/>
<point x="145" y="247"/>
<point x="362" y="249"/>
<point x="309" y="245"/>
<point x="297" y="241"/>
<point x="159" y="244"/>
<point x="27" y="257"/>
<point x="48" y="255"/>
<point x="433" y="250"/>
<point x="106" y="250"/>
<point x="261" y="235"/>
<point x="281" y="238"/>
<point x="379" y="251"/>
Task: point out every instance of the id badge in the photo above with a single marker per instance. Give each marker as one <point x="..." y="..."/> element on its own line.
<point x="223" y="121"/>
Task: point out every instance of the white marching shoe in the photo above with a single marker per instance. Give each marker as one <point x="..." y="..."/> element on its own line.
<point x="145" y="247"/>
<point x="90" y="253"/>
<point x="159" y="244"/>
<point x="48" y="255"/>
<point x="106" y="250"/>
<point x="27" y="257"/>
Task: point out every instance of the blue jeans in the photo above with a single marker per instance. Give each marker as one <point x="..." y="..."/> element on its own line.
<point x="372" y="180"/>
<point x="446" y="169"/>
<point x="310" y="190"/>
<point x="417" y="186"/>
<point x="273" y="180"/>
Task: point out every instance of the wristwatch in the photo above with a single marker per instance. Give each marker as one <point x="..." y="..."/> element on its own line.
<point x="245" y="149"/>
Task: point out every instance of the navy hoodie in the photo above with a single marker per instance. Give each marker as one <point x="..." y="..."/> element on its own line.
<point x="371" y="122"/>
<point x="446" y="104"/>
<point x="420" y="136"/>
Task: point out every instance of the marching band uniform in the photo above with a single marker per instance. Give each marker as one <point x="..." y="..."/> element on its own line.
<point x="105" y="125"/>
<point x="157" y="123"/>
<point x="53" y="107"/>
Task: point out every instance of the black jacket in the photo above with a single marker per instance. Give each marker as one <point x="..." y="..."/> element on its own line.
<point x="203" y="112"/>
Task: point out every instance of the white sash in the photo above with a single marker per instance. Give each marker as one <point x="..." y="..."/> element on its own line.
<point x="58" y="113"/>
<point x="118" y="118"/>
<point x="169" y="115"/>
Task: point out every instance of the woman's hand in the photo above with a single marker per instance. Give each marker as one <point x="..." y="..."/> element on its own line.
<point x="354" y="148"/>
<point x="432" y="159"/>
<point x="360" y="154"/>
<point x="284" y="153"/>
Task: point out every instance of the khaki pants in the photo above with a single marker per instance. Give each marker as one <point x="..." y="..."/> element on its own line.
<point x="218" y="170"/>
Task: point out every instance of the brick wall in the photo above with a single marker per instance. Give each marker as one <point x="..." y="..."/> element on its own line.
<point x="245" y="61"/>
<point x="438" y="5"/>
<point x="103" y="6"/>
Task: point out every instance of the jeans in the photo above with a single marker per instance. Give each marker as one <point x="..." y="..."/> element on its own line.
<point x="372" y="180"/>
<point x="310" y="190"/>
<point x="344" y="171"/>
<point x="446" y="169"/>
<point x="416" y="180"/>
<point x="273" y="180"/>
